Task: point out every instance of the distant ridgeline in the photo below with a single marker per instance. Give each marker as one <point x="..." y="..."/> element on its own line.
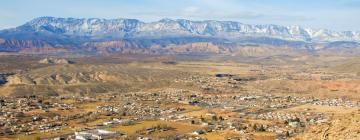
<point x="49" y="35"/>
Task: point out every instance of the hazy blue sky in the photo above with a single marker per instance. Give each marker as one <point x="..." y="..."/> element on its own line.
<point x="332" y="14"/>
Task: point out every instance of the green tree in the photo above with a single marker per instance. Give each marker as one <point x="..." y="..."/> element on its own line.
<point x="214" y="118"/>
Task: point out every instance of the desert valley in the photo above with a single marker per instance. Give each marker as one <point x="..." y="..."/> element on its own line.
<point x="79" y="78"/>
<point x="179" y="97"/>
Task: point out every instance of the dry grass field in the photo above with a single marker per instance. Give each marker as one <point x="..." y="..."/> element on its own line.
<point x="179" y="128"/>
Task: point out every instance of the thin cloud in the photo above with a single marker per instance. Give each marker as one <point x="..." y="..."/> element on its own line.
<point x="192" y="9"/>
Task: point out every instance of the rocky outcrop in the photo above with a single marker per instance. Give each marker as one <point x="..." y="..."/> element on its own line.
<point x="200" y="47"/>
<point x="55" y="61"/>
<point x="86" y="79"/>
<point x="115" y="46"/>
<point x="20" y="80"/>
<point x="17" y="45"/>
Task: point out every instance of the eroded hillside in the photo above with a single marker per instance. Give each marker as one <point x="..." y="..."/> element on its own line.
<point x="87" y="79"/>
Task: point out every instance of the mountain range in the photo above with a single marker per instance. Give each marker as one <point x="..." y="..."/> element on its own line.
<point x="95" y="35"/>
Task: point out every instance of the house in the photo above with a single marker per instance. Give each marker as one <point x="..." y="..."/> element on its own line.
<point x="198" y="132"/>
<point x="96" y="134"/>
<point x="143" y="138"/>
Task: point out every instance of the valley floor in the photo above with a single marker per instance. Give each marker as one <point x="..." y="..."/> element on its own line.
<point x="118" y="97"/>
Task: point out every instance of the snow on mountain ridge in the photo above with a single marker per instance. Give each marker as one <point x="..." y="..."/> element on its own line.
<point x="181" y="27"/>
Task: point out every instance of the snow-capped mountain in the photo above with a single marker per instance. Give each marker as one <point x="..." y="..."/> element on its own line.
<point x="132" y="28"/>
<point x="49" y="35"/>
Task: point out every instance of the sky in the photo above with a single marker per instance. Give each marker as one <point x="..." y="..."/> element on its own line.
<point x="339" y="15"/>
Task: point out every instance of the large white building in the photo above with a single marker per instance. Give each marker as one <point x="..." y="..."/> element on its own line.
<point x="96" y="134"/>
